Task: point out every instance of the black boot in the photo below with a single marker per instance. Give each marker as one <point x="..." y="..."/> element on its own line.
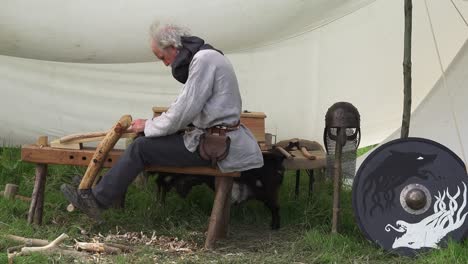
<point x="83" y="200"/>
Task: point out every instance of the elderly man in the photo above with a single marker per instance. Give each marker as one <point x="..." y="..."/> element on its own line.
<point x="209" y="98"/>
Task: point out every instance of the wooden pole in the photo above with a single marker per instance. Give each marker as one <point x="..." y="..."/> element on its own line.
<point x="102" y="150"/>
<point x="407" y="70"/>
<point x="337" y="178"/>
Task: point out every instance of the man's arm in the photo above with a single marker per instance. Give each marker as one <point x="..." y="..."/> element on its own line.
<point x="138" y="126"/>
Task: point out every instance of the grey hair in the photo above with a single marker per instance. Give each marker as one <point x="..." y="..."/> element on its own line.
<point x="168" y="35"/>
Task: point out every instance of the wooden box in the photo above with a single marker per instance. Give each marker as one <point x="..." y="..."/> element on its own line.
<point x="255" y="121"/>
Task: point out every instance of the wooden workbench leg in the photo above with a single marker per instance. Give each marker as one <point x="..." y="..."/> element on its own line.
<point x="37" y="197"/>
<point x="226" y="215"/>
<point x="311" y="180"/>
<point x="298" y="177"/>
<point x="219" y="219"/>
<point x="41" y="170"/>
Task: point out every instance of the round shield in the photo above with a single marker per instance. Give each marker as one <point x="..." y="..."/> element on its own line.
<point x="410" y="195"/>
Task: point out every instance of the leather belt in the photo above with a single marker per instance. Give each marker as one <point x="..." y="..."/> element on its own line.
<point x="222" y="129"/>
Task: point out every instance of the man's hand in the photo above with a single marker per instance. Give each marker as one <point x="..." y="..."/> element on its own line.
<point x="138" y="125"/>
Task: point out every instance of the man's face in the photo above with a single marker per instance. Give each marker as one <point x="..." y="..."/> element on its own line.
<point x="166" y="55"/>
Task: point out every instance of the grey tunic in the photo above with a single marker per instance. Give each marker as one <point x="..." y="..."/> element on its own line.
<point x="210" y="97"/>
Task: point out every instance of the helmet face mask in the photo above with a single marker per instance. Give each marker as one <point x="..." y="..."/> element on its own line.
<point x="342" y="115"/>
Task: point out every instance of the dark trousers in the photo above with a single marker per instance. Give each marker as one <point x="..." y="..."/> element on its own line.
<point x="162" y="151"/>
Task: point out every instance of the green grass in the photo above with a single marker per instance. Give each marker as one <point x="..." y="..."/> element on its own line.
<point x="364" y="150"/>
<point x="303" y="238"/>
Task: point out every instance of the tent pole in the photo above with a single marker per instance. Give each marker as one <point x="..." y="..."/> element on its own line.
<point x="407" y="70"/>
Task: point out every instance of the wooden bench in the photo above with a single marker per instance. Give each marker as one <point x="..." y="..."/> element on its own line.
<point x="43" y="155"/>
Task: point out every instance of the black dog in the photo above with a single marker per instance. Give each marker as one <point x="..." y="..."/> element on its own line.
<point x="262" y="184"/>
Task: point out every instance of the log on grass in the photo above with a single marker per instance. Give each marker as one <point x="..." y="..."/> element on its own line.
<point x="30" y="242"/>
<point x="52" y="245"/>
<point x="97" y="248"/>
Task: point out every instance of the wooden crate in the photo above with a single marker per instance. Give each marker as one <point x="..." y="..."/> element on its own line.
<point x="255" y="121"/>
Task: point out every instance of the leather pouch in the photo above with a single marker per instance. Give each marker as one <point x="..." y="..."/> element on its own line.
<point x="214" y="147"/>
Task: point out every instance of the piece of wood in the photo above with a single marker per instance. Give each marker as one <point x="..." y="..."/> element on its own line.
<point x="124" y="248"/>
<point x="299" y="162"/>
<point x="23" y="198"/>
<point x="19" y="197"/>
<point x="72" y="137"/>
<point x="308" y="144"/>
<point x="97" y="248"/>
<point x="70" y="208"/>
<point x="307" y="154"/>
<point x="81" y="257"/>
<point x="49" y="155"/>
<point x="10" y="191"/>
<point x="30" y="242"/>
<point x="405" y="125"/>
<point x="56" y="144"/>
<point x="90" y="137"/>
<point x="42" y="141"/>
<point x="102" y="150"/>
<point x="217" y="225"/>
<point x="285" y="153"/>
<point x="50" y="246"/>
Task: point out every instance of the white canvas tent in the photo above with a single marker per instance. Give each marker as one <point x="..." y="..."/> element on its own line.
<point x="77" y="67"/>
<point x="443" y="115"/>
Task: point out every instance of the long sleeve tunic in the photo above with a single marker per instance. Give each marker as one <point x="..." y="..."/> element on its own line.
<point x="210" y="97"/>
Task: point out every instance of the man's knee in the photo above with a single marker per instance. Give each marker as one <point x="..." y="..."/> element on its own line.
<point x="137" y="145"/>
